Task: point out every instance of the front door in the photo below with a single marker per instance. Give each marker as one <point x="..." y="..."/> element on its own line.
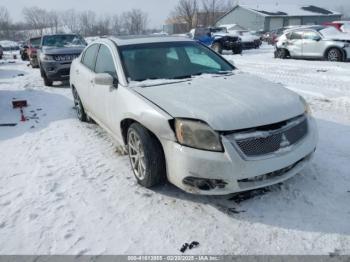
<point x="312" y="44"/>
<point x="103" y="93"/>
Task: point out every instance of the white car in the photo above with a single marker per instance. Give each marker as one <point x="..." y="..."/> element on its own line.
<point x="314" y="42"/>
<point x="188" y="116"/>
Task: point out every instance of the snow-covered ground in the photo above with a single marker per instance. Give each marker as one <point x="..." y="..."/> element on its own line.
<point x="65" y="190"/>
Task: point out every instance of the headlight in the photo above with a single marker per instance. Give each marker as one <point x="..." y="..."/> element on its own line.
<point x="46" y="57"/>
<point x="346" y="45"/>
<point x="196" y="134"/>
<point x="306" y="105"/>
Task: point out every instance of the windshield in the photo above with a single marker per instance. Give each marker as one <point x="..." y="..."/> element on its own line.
<point x="35" y="42"/>
<point x="330" y="31"/>
<point x="174" y="60"/>
<point x="63" y="41"/>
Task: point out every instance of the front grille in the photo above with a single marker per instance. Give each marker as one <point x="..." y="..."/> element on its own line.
<point x="64" y="71"/>
<point x="259" y="143"/>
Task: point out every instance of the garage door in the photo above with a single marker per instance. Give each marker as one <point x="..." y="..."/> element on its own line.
<point x="294" y="21"/>
<point x="276" y="23"/>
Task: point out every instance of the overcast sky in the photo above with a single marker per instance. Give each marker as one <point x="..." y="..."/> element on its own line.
<point x="158" y="10"/>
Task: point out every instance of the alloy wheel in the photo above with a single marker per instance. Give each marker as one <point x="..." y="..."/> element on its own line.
<point x="137" y="155"/>
<point x="333" y="55"/>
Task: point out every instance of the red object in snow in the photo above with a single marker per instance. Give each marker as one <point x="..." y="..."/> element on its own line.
<point x="20" y="104"/>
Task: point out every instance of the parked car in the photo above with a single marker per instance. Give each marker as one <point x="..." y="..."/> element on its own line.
<point x="343" y="26"/>
<point x="272" y="37"/>
<point x="314" y="42"/>
<point x="248" y="39"/>
<point x="56" y="54"/>
<point x="1" y="52"/>
<point x="218" y="39"/>
<point x="185" y="114"/>
<point x="33" y="46"/>
<point x="23" y="47"/>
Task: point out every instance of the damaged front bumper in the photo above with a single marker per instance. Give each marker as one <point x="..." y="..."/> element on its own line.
<point x="214" y="173"/>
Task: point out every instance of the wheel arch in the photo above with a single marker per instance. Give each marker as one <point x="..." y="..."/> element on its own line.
<point x="342" y="51"/>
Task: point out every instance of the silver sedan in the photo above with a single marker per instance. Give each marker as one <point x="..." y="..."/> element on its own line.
<point x="185" y="114"/>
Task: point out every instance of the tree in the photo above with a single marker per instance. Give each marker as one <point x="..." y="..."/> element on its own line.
<point x="5" y="22"/>
<point x="116" y="25"/>
<point x="213" y="9"/>
<point x="70" y="19"/>
<point x="135" y="22"/>
<point x="87" y="22"/>
<point x="37" y="18"/>
<point x="186" y="11"/>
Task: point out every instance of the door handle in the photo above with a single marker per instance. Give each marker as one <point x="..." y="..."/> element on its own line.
<point x="77" y="71"/>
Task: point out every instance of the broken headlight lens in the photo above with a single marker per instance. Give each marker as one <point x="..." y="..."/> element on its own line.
<point x="196" y="134"/>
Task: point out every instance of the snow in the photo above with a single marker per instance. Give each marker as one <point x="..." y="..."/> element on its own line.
<point x="65" y="190"/>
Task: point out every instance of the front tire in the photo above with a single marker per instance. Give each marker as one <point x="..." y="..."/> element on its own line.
<point x="146" y="156"/>
<point x="281" y="53"/>
<point x="79" y="107"/>
<point x="334" y="55"/>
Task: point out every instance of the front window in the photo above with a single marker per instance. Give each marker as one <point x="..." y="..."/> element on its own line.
<point x="63" y="41"/>
<point x="174" y="60"/>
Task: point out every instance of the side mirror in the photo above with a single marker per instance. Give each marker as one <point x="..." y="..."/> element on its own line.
<point x="104" y="79"/>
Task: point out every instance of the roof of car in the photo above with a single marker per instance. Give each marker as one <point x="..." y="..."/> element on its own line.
<point x="145" y="39"/>
<point x="312" y="27"/>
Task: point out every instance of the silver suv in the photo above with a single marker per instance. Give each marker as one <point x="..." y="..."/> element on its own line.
<point x="56" y="54"/>
<point x="314" y="42"/>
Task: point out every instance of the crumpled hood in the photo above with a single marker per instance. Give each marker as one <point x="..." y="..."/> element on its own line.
<point x="76" y="50"/>
<point x="338" y="37"/>
<point x="226" y="102"/>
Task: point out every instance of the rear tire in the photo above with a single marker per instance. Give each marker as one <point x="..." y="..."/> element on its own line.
<point x="146" y="156"/>
<point x="334" y="55"/>
<point x="217" y="47"/>
<point x="79" y="106"/>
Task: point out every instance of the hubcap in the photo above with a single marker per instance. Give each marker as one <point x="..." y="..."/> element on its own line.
<point x="137" y="155"/>
<point x="333" y="55"/>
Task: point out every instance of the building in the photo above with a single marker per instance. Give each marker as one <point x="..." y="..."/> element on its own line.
<point x="270" y="17"/>
<point x="178" y="25"/>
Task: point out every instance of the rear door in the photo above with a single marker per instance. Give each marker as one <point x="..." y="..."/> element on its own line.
<point x="85" y="74"/>
<point x="294" y="43"/>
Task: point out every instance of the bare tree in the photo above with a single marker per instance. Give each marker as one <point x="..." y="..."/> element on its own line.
<point x="86" y="23"/>
<point x="103" y="26"/>
<point x="135" y="22"/>
<point x="5" y="22"/>
<point x="186" y="11"/>
<point x="116" y="25"/>
<point x="70" y="19"/>
<point x="213" y="9"/>
<point x="54" y="21"/>
<point x="37" y="18"/>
